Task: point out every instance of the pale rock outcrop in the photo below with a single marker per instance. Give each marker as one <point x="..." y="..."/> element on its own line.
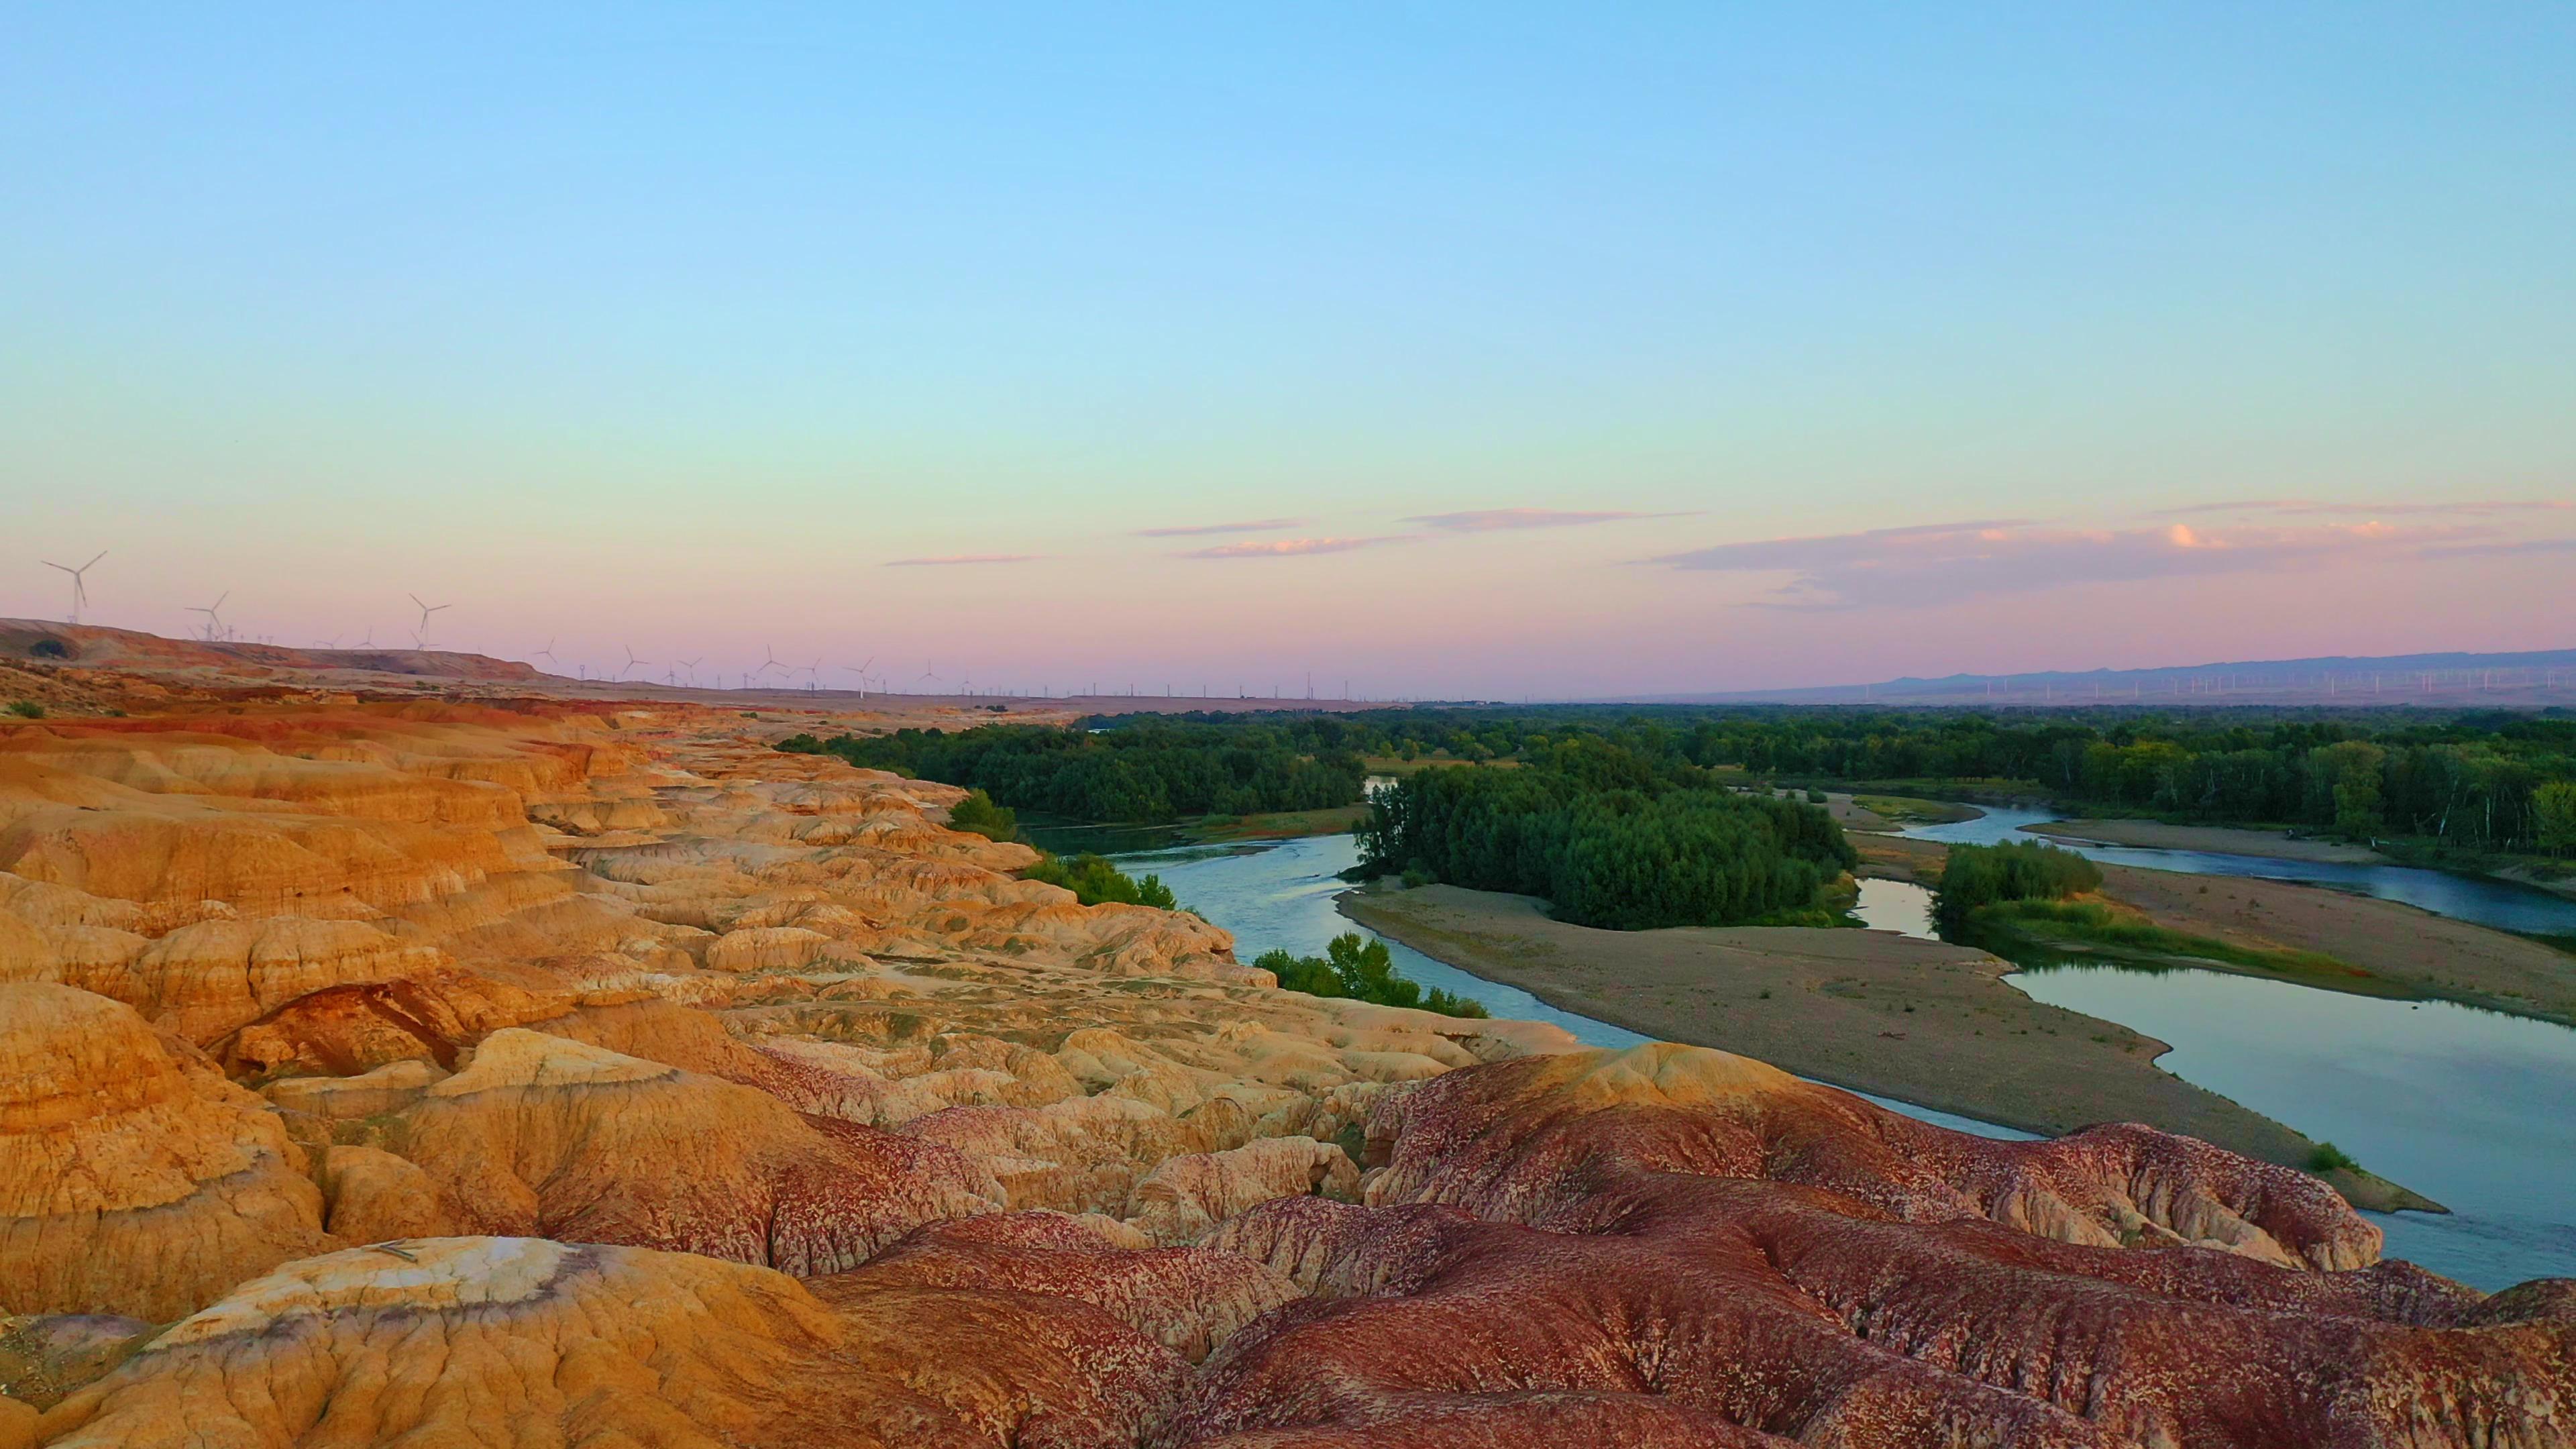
<point x="1186" y="1196"/>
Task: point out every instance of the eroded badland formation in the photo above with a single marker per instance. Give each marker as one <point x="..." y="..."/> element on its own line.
<point x="546" y="1072"/>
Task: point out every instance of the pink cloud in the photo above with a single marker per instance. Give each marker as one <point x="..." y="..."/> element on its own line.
<point x="1257" y="525"/>
<point x="945" y="560"/>
<point x="1947" y="563"/>
<point x="1291" y="547"/>
<point x="1490" y="520"/>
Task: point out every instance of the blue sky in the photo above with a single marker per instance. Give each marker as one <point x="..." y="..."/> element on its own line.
<point x="684" y="324"/>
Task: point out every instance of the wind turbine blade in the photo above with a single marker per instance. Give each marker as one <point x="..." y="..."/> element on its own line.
<point x="94" y="558"/>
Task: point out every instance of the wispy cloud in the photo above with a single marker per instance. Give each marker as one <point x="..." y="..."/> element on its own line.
<point x="2320" y="508"/>
<point x="947" y="560"/>
<point x="1946" y="563"/>
<point x="1256" y="525"/>
<point x="1493" y="520"/>
<point x="1292" y="547"/>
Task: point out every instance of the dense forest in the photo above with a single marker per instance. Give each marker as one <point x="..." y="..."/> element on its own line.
<point x="1611" y="837"/>
<point x="2481" y="782"/>
<point x="1146" y="772"/>
<point x="2476" y="782"/>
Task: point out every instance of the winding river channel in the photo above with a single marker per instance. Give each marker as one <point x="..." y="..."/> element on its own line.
<point x="2467" y="1106"/>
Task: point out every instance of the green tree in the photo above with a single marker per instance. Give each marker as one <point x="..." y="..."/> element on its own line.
<point x="2554" y="808"/>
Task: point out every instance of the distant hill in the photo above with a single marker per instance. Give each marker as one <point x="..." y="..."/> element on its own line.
<point x="99" y="647"/>
<point x="2453" y="680"/>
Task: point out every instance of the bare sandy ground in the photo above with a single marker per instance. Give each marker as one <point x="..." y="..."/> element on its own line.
<point x="1920" y="1021"/>
<point x="2216" y="839"/>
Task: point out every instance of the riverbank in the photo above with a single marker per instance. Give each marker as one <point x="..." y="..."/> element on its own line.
<point x="1920" y="1021"/>
<point x="2216" y="839"/>
<point x="2382" y="948"/>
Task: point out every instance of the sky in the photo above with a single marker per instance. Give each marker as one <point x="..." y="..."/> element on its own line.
<point x="1487" y="350"/>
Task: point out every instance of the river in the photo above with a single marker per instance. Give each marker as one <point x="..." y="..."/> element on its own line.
<point x="2500" y="904"/>
<point x="2453" y="1102"/>
<point x="1281" y="896"/>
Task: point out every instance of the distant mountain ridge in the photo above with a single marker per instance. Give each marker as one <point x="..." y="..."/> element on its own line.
<point x="2528" y="679"/>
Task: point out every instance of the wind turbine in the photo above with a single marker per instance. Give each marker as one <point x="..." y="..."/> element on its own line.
<point x="420" y="636"/>
<point x="769" y="662"/>
<point x="214" y="620"/>
<point x="813" y="674"/>
<point x="691" y="665"/>
<point x="547" y="654"/>
<point x="631" y="661"/>
<point x="926" y="674"/>
<point x="80" y="591"/>
<point x="861" y="670"/>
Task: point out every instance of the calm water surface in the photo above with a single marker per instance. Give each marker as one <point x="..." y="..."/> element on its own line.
<point x="2499" y="904"/>
<point x="2467" y="1106"/>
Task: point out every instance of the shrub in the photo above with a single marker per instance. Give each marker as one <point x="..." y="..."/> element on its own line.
<point x="27" y="709"/>
<point x="50" y="649"/>
<point x="1357" y="968"/>
<point x="2329" y="1158"/>
<point x="1976" y="876"/>
<point x="978" y="813"/>
<point x="1416" y="878"/>
<point x="1093" y="880"/>
<point x="1815" y="796"/>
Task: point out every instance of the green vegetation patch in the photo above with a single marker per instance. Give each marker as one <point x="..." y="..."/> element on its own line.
<point x="1907" y="810"/>
<point x="1149" y="772"/>
<point x="1612" y="836"/>
<point x="1093" y="880"/>
<point x="1357" y="968"/>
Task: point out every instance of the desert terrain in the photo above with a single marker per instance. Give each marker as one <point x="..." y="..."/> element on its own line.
<point x="495" y="1063"/>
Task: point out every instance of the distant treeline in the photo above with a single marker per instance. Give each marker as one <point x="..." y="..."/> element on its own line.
<point x="1611" y="837"/>
<point x="2483" y="782"/>
<point x="1145" y="773"/>
<point x="2487" y="781"/>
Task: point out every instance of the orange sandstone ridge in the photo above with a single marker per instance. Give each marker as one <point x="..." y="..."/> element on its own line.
<point x="554" y="1074"/>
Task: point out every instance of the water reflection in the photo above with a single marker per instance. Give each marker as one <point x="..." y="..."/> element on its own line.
<point x="2468" y="1107"/>
<point x="1896" y="905"/>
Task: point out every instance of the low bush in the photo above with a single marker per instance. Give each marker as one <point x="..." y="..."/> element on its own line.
<point x="1093" y="880"/>
<point x="27" y="709"/>
<point x="1357" y="968"/>
<point x="978" y="813"/>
